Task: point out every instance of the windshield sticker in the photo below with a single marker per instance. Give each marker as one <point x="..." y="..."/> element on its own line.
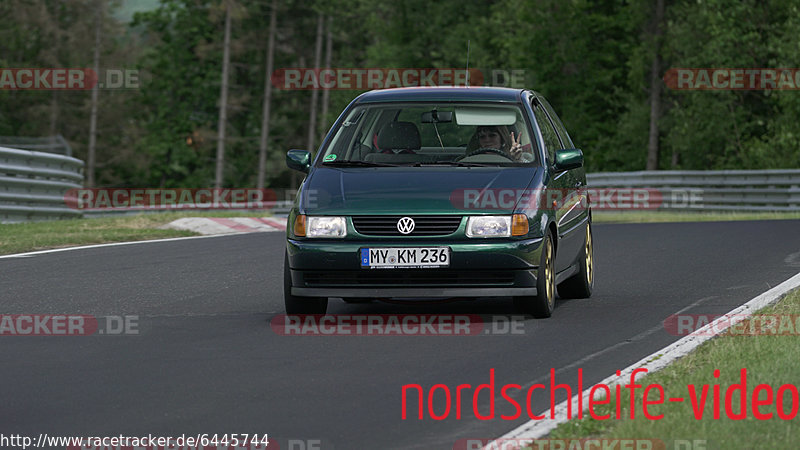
<point x="329" y="158"/>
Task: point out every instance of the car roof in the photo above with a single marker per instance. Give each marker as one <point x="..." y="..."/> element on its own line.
<point x="497" y="94"/>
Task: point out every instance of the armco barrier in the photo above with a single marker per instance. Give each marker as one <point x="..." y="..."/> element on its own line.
<point x="33" y="184"/>
<point x="722" y="190"/>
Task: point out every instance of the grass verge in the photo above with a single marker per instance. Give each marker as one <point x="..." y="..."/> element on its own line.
<point x="26" y="237"/>
<point x="679" y="216"/>
<point x="769" y="359"/>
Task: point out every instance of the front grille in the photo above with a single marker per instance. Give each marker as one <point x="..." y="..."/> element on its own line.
<point x="409" y="277"/>
<point x="423" y="225"/>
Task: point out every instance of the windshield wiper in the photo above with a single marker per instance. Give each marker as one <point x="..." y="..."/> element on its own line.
<point x="356" y="163"/>
<point x="451" y="163"/>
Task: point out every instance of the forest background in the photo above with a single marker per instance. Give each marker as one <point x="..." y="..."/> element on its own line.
<point x="601" y="64"/>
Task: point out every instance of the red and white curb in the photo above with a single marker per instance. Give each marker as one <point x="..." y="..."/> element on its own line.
<point x="228" y="225"/>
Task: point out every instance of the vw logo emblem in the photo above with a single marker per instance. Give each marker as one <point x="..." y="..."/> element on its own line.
<point x="405" y="225"/>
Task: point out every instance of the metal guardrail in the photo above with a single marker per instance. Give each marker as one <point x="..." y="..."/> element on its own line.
<point x="724" y="190"/>
<point x="33" y="184"/>
<point x="50" y="144"/>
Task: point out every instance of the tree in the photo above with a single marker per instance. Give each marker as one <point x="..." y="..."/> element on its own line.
<point x="90" y="159"/>
<point x="262" y="148"/>
<point x="655" y="86"/>
<point x="223" y="98"/>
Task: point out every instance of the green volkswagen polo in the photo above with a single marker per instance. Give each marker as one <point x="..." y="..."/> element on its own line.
<point x="432" y="193"/>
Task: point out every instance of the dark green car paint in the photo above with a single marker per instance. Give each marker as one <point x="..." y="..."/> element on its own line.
<point x="407" y="191"/>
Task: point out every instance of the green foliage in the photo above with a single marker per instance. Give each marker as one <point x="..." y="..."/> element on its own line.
<point x="179" y="97"/>
<point x="732" y="129"/>
<point x="591" y="59"/>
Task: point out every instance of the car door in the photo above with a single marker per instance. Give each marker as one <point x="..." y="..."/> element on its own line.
<point x="578" y="176"/>
<point x="563" y="187"/>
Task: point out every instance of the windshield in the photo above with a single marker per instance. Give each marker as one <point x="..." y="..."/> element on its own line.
<point x="431" y="134"/>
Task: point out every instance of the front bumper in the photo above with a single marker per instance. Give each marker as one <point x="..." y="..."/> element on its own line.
<point x="479" y="268"/>
<point x="413" y="293"/>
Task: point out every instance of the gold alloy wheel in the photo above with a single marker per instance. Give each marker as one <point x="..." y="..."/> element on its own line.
<point x="589" y="256"/>
<point x="549" y="276"/>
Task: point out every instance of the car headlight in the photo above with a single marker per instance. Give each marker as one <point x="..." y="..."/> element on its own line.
<point x="489" y="226"/>
<point x="497" y="226"/>
<point x="325" y="227"/>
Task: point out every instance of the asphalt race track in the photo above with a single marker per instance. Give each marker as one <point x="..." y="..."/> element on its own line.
<point x="205" y="359"/>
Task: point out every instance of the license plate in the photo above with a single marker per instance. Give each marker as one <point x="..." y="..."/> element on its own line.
<point x="405" y="257"/>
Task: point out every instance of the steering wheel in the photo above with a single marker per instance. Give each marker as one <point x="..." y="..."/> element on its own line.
<point x="487" y="150"/>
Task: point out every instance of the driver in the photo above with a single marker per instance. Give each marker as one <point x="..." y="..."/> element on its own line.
<point x="498" y="137"/>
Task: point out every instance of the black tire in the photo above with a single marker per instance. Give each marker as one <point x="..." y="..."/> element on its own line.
<point x="542" y="304"/>
<point x="581" y="284"/>
<point x="300" y="305"/>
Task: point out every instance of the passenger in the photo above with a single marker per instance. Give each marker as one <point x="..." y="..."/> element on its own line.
<point x="498" y="137"/>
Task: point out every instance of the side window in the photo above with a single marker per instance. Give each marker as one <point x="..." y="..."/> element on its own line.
<point x="559" y="126"/>
<point x="549" y="135"/>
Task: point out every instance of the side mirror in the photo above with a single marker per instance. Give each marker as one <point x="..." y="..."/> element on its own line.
<point x="568" y="159"/>
<point x="299" y="160"/>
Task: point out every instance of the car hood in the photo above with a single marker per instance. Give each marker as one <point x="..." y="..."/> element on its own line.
<point x="405" y="190"/>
